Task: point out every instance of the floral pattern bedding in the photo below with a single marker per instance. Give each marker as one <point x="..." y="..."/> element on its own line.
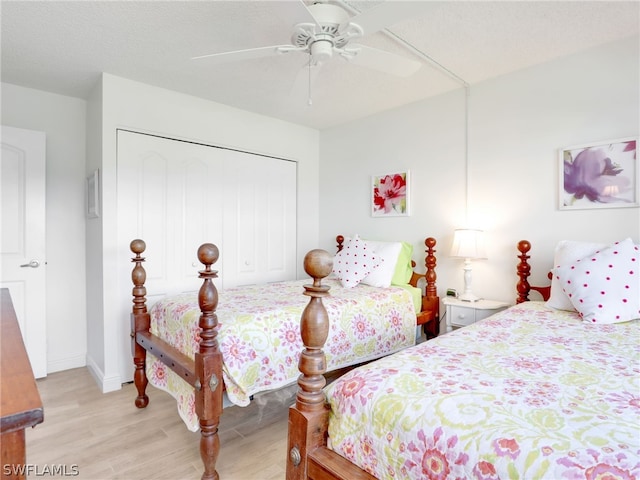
<point x="259" y="335"/>
<point x="530" y="393"/>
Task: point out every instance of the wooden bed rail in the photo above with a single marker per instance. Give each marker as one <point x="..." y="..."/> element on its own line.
<point x="204" y="373"/>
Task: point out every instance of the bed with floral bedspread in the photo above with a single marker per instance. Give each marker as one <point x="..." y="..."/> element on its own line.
<point x="259" y="335"/>
<point x="530" y="392"/>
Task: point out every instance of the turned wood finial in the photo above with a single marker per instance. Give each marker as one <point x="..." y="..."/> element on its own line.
<point x="314" y="329"/>
<point x="318" y="265"/>
<point x="524" y="246"/>
<point x="340" y="242"/>
<point x="138" y="246"/>
<point x="524" y="270"/>
<point x="208" y="254"/>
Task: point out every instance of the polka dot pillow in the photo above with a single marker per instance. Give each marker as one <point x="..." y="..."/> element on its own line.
<point x="604" y="287"/>
<point x="568" y="251"/>
<point x="354" y="262"/>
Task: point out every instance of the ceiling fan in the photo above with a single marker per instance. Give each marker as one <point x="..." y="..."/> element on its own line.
<point x="323" y="30"/>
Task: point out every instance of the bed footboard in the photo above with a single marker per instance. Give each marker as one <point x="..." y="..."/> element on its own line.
<point x="308" y="456"/>
<point x="204" y="373"/>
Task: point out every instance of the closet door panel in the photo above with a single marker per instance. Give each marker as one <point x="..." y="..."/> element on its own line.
<point x="142" y="207"/>
<point x="202" y="210"/>
<point x="149" y="184"/>
<point x="263" y="220"/>
<point x="280" y="182"/>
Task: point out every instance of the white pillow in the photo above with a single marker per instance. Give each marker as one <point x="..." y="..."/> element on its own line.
<point x="566" y="252"/>
<point x="604" y="287"/>
<point x="354" y="262"/>
<point x="388" y="253"/>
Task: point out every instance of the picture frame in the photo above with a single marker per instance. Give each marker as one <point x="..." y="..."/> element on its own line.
<point x="599" y="175"/>
<point x="92" y="187"/>
<point x="390" y="194"/>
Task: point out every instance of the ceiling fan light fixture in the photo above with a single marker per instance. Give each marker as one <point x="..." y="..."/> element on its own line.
<point x="321" y="51"/>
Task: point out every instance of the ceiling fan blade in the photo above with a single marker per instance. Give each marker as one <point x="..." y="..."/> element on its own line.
<point x="387" y="14"/>
<point x="296" y="13"/>
<point x="249" y="54"/>
<point x="380" y="60"/>
<point x="302" y="14"/>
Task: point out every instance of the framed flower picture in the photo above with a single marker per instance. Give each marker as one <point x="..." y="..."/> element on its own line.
<point x="599" y="175"/>
<point x="390" y="194"/>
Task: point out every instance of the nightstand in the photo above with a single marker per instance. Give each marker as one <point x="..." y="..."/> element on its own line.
<point x="461" y="314"/>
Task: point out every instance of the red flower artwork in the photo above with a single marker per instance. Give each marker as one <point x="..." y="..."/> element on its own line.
<point x="390" y="194"/>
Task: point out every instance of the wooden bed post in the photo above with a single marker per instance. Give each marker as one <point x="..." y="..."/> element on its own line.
<point x="524" y="270"/>
<point x="431" y="301"/>
<point x="429" y="316"/>
<point x="140" y="321"/>
<point x="430" y="264"/>
<point x="308" y="418"/>
<point x="208" y="365"/>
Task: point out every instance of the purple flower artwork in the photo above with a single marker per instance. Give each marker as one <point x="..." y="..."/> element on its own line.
<point x="602" y="175"/>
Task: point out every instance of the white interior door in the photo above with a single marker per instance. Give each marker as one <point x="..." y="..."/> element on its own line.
<point x="22" y="236"/>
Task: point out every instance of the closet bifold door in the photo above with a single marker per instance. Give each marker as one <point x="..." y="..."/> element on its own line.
<point x="176" y="195"/>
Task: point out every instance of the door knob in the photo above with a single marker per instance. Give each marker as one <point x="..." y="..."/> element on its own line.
<point x="32" y="264"/>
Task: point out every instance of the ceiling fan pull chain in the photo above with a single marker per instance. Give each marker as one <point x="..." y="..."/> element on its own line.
<point x="309" y="100"/>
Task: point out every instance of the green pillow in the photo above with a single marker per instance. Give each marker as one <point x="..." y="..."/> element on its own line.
<point x="403" y="271"/>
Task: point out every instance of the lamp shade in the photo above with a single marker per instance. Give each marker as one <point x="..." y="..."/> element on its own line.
<point x="468" y="243"/>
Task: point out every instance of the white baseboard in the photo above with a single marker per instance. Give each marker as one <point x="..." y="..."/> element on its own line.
<point x="106" y="384"/>
<point x="67" y="363"/>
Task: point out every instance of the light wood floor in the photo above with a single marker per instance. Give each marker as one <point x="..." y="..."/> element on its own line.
<point x="107" y="437"/>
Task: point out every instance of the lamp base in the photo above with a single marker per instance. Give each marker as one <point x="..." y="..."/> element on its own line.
<point x="468" y="297"/>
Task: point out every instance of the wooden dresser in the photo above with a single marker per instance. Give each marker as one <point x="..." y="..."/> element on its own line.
<point x="20" y="403"/>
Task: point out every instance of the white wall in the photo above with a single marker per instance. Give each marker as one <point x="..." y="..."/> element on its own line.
<point x="120" y="103"/>
<point x="63" y="119"/>
<point x="517" y="124"/>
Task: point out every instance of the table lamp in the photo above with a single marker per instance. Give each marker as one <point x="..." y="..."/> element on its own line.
<point x="468" y="244"/>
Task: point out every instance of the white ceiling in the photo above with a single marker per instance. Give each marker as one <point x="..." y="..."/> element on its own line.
<point x="62" y="47"/>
